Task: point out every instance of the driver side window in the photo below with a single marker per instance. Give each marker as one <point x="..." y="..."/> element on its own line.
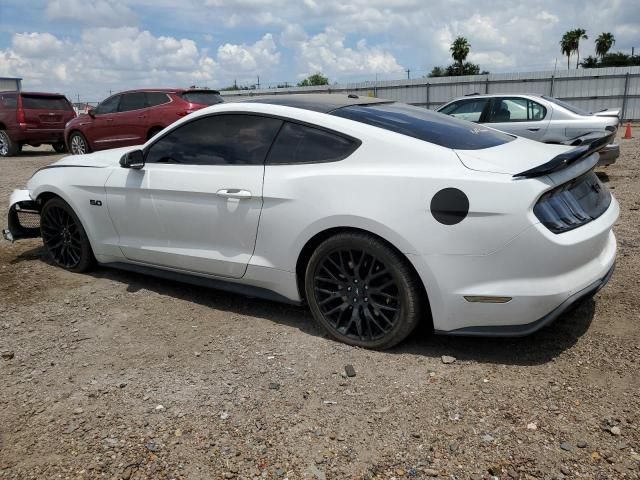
<point x="227" y="139"/>
<point x="110" y="105"/>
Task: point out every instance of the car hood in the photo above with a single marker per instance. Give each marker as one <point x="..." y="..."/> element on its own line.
<point x="510" y="158"/>
<point x="104" y="158"/>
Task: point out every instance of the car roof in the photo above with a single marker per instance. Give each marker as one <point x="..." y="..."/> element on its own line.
<point x="40" y="94"/>
<point x="317" y="102"/>
<point x="169" y="90"/>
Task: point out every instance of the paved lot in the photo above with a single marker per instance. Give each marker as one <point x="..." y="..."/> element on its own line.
<point x="116" y="375"/>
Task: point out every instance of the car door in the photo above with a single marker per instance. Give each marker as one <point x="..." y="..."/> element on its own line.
<point x="131" y="122"/>
<point x="195" y="204"/>
<point x="520" y="116"/>
<point x="102" y="130"/>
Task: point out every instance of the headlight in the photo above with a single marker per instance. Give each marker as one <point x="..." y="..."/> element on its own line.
<point x="573" y="204"/>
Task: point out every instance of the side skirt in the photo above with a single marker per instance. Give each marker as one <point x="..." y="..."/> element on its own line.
<point x="248" y="290"/>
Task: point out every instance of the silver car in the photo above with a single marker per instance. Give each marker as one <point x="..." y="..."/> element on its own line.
<point x="539" y="117"/>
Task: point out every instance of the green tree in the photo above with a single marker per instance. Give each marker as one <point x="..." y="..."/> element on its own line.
<point x="567" y="45"/>
<point x="437" y="72"/>
<point x="604" y="42"/>
<point x="578" y="34"/>
<point x="590" y="62"/>
<point x="459" y="51"/>
<point x="314" y="80"/>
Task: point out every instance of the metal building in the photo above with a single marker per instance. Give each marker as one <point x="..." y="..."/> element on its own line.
<point x="10" y="83"/>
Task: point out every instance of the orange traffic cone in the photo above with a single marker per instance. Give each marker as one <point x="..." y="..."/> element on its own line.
<point x="627" y="132"/>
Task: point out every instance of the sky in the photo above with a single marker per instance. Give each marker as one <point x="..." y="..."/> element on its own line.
<point x="88" y="48"/>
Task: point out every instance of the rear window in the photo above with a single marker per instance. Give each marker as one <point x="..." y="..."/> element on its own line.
<point x="425" y="125"/>
<point x="36" y="102"/>
<point x="203" y="98"/>
<point x="568" y="106"/>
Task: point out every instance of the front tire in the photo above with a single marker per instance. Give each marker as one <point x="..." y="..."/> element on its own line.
<point x="64" y="237"/>
<point x="8" y="148"/>
<point x="362" y="291"/>
<point x="78" y="144"/>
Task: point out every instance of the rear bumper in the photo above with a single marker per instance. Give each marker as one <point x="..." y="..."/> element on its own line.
<point x="37" y="135"/>
<point x="535" y="277"/>
<point x="529" y="328"/>
<point x="609" y="154"/>
<point x="23" y="219"/>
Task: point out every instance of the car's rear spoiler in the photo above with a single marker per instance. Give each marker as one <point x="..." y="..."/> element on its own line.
<point x="565" y="159"/>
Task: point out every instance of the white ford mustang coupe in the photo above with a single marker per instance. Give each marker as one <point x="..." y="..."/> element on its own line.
<point x="377" y="214"/>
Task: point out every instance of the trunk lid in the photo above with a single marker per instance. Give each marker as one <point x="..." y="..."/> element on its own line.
<point x="512" y="157"/>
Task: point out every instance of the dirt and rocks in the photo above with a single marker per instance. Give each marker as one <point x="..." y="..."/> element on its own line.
<point x="120" y="376"/>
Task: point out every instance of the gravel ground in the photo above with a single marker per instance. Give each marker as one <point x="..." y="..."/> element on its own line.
<point x="117" y="375"/>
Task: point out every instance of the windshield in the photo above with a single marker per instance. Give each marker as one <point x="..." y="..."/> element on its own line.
<point x="203" y="98"/>
<point x="425" y="125"/>
<point x="568" y="106"/>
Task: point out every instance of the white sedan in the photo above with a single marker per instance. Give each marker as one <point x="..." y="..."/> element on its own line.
<point x="377" y="214"/>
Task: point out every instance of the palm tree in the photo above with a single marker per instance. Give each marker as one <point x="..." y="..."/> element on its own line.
<point x="459" y="51"/>
<point x="604" y="42"/>
<point x="567" y="46"/>
<point x="578" y="34"/>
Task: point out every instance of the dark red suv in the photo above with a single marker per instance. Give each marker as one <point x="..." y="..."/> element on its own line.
<point x="30" y="118"/>
<point x="133" y="117"/>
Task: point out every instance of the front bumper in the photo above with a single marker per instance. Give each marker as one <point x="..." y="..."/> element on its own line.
<point x="609" y="154"/>
<point x="23" y="218"/>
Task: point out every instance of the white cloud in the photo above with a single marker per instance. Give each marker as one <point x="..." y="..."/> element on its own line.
<point x="262" y="55"/>
<point x="91" y="12"/>
<point x="36" y="45"/>
<point x="326" y="52"/>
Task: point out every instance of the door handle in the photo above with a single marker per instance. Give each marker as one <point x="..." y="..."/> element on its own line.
<point x="234" y="193"/>
<point x="533" y="129"/>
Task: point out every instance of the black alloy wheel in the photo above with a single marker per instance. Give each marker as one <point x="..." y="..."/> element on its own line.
<point x="362" y="291"/>
<point x="64" y="237"/>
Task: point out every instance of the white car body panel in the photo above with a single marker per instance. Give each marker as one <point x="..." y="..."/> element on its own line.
<point x="170" y="217"/>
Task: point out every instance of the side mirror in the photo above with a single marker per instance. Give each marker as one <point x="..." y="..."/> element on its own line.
<point x="133" y="159"/>
<point x="91" y="112"/>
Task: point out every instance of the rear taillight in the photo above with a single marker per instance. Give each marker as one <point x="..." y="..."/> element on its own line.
<point x="20" y="118"/>
<point x="573" y="204"/>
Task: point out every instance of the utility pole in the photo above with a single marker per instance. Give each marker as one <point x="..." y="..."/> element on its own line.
<point x="258" y="84"/>
<point x="408" y="73"/>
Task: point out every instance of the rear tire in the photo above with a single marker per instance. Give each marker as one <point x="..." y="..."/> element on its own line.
<point x="78" y="144"/>
<point x="8" y="148"/>
<point x="362" y="291"/>
<point x="59" y="147"/>
<point x="64" y="237"/>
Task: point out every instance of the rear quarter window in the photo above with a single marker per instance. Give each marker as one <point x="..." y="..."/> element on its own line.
<point x="297" y="144"/>
<point x="202" y="98"/>
<point x="426" y="125"/>
<point x="9" y="100"/>
<point x="35" y="102"/>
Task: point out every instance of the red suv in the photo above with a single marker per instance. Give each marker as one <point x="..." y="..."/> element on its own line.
<point x="29" y="118"/>
<point x="133" y="117"/>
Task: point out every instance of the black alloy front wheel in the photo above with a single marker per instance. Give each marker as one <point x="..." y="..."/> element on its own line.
<point x="64" y="237"/>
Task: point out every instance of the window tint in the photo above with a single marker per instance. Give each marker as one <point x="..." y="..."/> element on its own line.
<point x="35" y="102"/>
<point x="133" y="101"/>
<point x="9" y="100"/>
<point x="110" y="105"/>
<point x="217" y="140"/>
<point x="157" y="98"/>
<point x="203" y="98"/>
<point x="301" y="144"/>
<point x="425" y="125"/>
<point x="470" y="110"/>
<point x="516" y="110"/>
